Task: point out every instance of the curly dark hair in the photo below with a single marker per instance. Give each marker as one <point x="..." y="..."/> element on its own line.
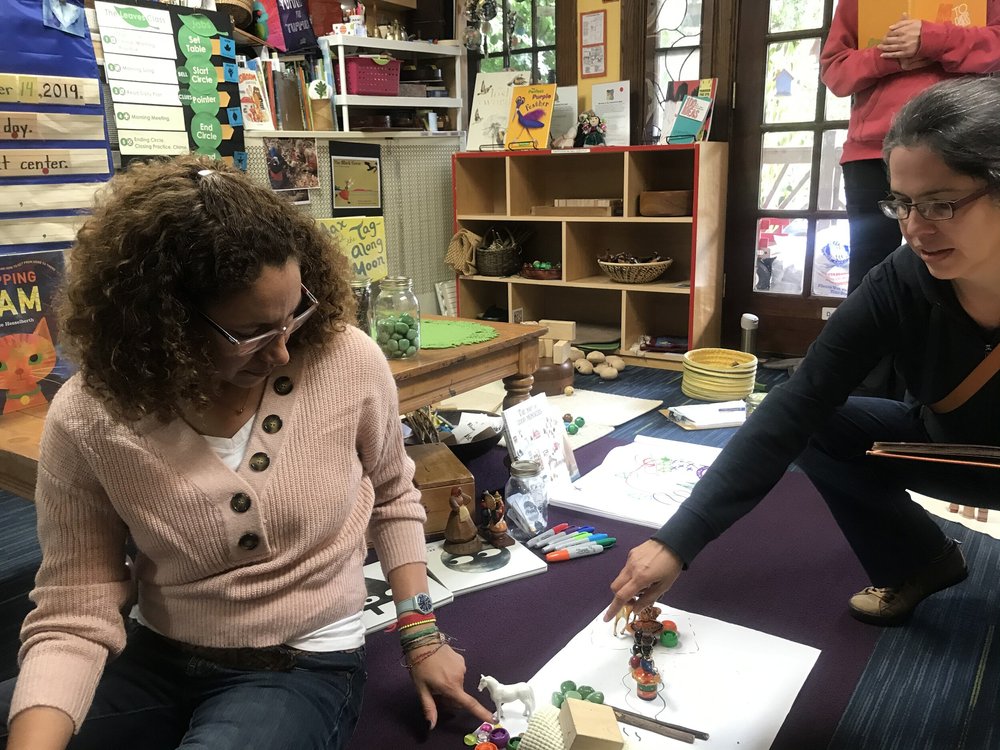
<point x="170" y="237"/>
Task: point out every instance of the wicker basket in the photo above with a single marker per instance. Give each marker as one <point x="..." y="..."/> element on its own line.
<point x="721" y="360"/>
<point x="499" y="254"/>
<point x="635" y="273"/>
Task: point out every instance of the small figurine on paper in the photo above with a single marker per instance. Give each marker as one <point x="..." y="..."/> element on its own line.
<point x="495" y="525"/>
<point x="460" y="533"/>
<point x="501" y="694"/>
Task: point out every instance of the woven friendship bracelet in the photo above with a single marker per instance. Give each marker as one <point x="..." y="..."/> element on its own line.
<point x="410" y="637"/>
<point x="424" y="656"/>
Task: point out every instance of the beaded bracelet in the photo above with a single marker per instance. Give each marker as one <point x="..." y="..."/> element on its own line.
<point x="409" y="619"/>
<point x="416" y="623"/>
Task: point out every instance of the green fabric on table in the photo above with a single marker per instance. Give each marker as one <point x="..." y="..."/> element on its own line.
<point x="445" y="334"/>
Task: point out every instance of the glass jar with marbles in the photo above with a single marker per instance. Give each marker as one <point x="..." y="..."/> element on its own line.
<point x="397" y="318"/>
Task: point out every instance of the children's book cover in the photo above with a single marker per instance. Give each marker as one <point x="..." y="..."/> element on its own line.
<point x="379" y="610"/>
<point x="253" y="99"/>
<point x="490" y="108"/>
<point x="533" y="431"/>
<point x="31" y="368"/>
<point x="876" y="16"/>
<point x="488" y="567"/>
<point x="677" y="93"/>
<point x="530" y="117"/>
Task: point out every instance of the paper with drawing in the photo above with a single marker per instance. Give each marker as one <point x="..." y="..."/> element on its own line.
<point x="732" y="682"/>
<point x="643" y="482"/>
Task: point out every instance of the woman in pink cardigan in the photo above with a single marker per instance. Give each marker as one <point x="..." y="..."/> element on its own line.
<point x="228" y="420"/>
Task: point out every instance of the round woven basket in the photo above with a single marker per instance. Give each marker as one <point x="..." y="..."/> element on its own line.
<point x="498" y="262"/>
<point x="635" y="273"/>
<point x="240" y="10"/>
<point x="722" y="360"/>
<point x="718" y="374"/>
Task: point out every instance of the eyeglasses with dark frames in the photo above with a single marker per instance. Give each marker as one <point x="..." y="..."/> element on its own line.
<point x="929" y="210"/>
<point x="252" y="345"/>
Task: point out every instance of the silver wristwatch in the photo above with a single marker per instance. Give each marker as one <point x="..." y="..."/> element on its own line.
<point x="418" y="603"/>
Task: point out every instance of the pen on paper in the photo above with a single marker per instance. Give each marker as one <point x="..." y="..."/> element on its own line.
<point x="734" y="408"/>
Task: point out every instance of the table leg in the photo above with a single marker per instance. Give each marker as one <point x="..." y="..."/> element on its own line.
<point x="518" y="389"/>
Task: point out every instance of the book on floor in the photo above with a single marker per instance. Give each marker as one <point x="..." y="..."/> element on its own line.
<point x="379" y="610"/>
<point x="707" y="416"/>
<point x="947" y="453"/>
<point x="488" y="567"/>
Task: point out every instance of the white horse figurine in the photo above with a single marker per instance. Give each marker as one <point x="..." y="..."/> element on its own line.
<point x="501" y="694"/>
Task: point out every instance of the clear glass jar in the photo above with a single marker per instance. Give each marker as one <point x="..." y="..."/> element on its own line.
<point x="362" y="289"/>
<point x="397" y="318"/>
<point x="527" y="499"/>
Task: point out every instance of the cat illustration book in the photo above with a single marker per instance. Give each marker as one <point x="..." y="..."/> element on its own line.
<point x="31" y="369"/>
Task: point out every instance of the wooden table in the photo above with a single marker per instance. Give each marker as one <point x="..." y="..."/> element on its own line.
<point x="433" y="375"/>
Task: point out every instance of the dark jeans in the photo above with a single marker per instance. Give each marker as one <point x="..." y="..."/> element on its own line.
<point x="154" y="697"/>
<point x="891" y="535"/>
<point x="873" y="238"/>
<point x="873" y="235"/>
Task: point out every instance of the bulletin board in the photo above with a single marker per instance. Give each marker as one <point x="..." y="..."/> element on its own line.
<point x="593" y="44"/>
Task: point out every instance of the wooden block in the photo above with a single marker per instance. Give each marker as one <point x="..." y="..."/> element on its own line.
<point x="560" y="351"/>
<point x="560" y="329"/>
<point x="547" y="346"/>
<point x="589" y="726"/>
<point x="438" y="470"/>
<point x="572" y="211"/>
<point x="666" y="202"/>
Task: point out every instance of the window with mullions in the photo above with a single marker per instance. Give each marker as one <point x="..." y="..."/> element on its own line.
<point x="522" y="36"/>
<point x="673" y="32"/>
<point x="802" y="225"/>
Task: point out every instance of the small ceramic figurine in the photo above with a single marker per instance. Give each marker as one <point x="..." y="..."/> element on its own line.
<point x="501" y="694"/>
<point x="494" y="510"/>
<point x="461" y="537"/>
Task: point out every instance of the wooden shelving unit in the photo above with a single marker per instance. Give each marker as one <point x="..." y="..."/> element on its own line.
<point x="501" y="188"/>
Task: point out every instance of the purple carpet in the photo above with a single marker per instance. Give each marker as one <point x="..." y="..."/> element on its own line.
<point x="784" y="569"/>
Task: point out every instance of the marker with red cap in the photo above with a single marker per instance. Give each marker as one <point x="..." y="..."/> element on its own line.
<point x="558" y="528"/>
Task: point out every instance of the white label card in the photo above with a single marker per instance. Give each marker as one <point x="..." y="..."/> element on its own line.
<point x="132" y="142"/>
<point x="148" y="117"/>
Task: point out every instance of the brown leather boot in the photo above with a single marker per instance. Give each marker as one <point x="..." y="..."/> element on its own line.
<point x="893" y="606"/>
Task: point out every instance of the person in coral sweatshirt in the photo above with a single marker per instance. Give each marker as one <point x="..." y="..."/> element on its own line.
<point x="230" y="427"/>
<point x="913" y="55"/>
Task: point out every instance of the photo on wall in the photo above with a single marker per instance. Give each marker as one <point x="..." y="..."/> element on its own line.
<point x="291" y="163"/>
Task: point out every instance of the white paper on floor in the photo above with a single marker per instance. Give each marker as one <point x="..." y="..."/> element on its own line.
<point x="732" y="682"/>
<point x="643" y="482"/>
<point x="939" y="508"/>
<point x="602" y="412"/>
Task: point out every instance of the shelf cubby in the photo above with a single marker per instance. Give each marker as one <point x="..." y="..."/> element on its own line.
<point x="501" y="188"/>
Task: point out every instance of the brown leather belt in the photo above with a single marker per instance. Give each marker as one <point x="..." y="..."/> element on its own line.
<point x="266" y="658"/>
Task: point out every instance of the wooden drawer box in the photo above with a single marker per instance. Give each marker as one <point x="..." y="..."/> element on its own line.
<point x="437" y="472"/>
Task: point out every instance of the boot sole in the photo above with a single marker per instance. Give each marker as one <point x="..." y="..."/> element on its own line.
<point x="886" y="621"/>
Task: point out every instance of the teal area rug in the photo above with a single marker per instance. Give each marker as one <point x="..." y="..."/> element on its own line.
<point x="935" y="683"/>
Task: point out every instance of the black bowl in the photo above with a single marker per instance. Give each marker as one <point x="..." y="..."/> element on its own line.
<point x="481" y="442"/>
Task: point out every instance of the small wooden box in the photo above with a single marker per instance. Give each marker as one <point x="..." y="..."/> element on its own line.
<point x="589" y="726"/>
<point x="666" y="202"/>
<point x="437" y="472"/>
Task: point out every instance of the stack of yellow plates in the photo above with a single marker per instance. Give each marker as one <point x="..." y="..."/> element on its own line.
<point x="718" y="374"/>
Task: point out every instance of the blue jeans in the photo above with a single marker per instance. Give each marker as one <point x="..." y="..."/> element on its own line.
<point x="154" y="697"/>
<point x="891" y="535"/>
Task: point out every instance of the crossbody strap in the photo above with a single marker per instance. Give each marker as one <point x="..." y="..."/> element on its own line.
<point x="972" y="383"/>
